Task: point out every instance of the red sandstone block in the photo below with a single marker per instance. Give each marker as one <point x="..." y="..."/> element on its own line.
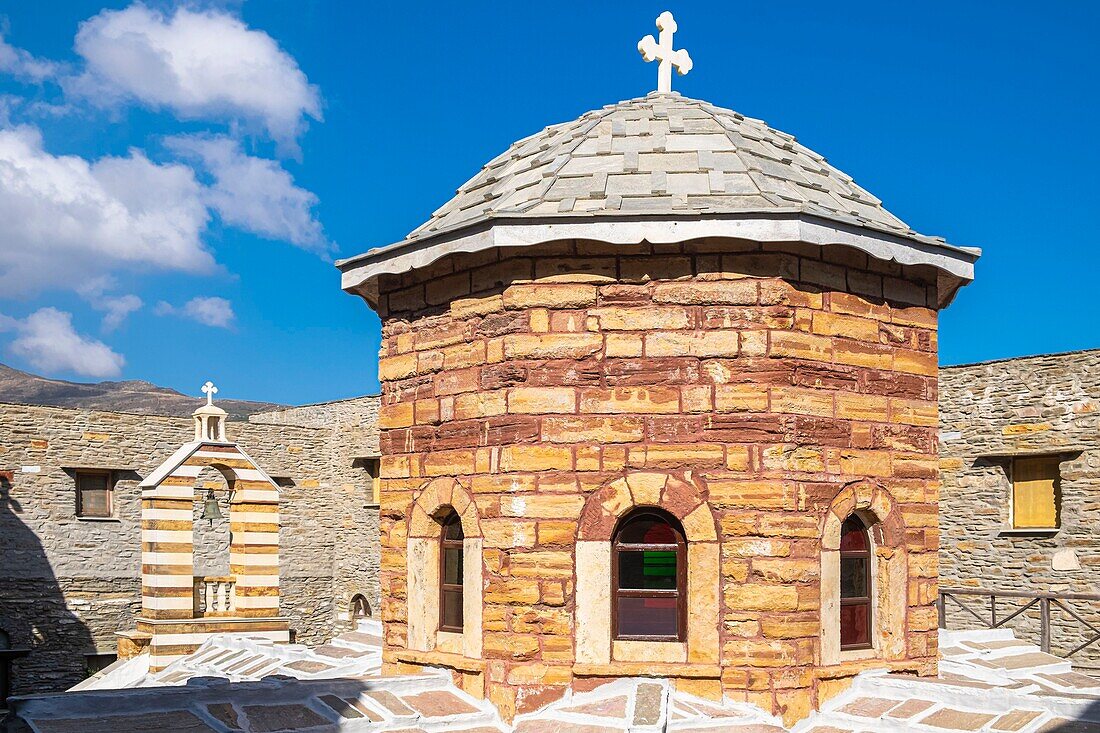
<point x="396" y="367"/>
<point x="479" y="404"/>
<point x="565" y="372"/>
<point x="576" y="269"/>
<point x="760" y="264"/>
<point x="860" y="462"/>
<point x="650" y="371"/>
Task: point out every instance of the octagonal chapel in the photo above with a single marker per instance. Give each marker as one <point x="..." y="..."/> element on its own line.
<point x="659" y="399"/>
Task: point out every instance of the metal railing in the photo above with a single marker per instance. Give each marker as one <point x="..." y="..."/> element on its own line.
<point x="1017" y="603"/>
<point x="215" y="595"/>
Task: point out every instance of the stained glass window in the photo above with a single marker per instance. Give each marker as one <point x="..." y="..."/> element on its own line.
<point x="648" y="566"/>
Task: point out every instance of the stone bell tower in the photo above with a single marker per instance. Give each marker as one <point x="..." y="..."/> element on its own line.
<point x="659" y="399"/>
<point x="179" y="610"/>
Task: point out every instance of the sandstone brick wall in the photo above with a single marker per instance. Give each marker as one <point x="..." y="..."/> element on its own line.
<point x="68" y="584"/>
<point x="1030" y="405"/>
<point x="772" y="378"/>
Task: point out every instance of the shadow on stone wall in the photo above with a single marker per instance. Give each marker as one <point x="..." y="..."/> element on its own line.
<point x="33" y="611"/>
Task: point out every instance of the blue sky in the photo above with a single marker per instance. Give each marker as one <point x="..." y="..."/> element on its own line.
<point x="170" y="222"/>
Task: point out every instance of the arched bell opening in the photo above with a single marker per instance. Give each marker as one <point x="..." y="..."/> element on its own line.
<point x="212" y="538"/>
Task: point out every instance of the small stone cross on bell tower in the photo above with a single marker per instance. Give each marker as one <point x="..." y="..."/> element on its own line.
<point x="210" y="419"/>
<point x="662" y="51"/>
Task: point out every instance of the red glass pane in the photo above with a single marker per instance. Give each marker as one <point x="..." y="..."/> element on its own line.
<point x="648" y="617"/>
<point x="853" y="536"/>
<point x="648" y="530"/>
<point x="855" y="624"/>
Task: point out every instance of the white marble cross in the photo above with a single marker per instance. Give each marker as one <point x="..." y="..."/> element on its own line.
<point x="209" y="390"/>
<point x="662" y="51"/>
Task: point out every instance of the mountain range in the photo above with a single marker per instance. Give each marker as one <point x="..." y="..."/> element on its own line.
<point x="126" y="396"/>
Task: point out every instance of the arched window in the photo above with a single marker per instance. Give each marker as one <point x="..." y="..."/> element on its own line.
<point x="648" y="578"/>
<point x="855" y="585"/>
<point x="450" y="573"/>
<point x="360" y="608"/>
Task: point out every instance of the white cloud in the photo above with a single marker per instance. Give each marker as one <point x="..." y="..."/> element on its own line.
<point x="200" y="64"/>
<point x="254" y="194"/>
<point x="209" y="311"/>
<point x="47" y="340"/>
<point x="64" y="220"/>
<point x="23" y="65"/>
<point x="116" y="308"/>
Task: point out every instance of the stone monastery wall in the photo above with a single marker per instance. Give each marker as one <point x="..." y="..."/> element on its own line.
<point x="1046" y="405"/>
<point x="759" y="393"/>
<point x="67" y="583"/>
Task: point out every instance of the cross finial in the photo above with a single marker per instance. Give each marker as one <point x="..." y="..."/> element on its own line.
<point x="662" y="51"/>
<point x="209" y="390"/>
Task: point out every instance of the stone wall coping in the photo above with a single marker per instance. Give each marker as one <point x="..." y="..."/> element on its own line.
<point x="212" y="620"/>
<point x="1045" y="450"/>
<point x="1068" y="355"/>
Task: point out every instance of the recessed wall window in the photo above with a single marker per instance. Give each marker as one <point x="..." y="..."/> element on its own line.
<point x="1035" y="492"/>
<point x="94" y="493"/>
<point x="648" y="578"/>
<point x="372" y="467"/>
<point x="97" y="662"/>
<point x="450" y="573"/>
<point x="855" y="585"/>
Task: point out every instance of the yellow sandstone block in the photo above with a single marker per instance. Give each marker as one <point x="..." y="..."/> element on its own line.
<point x="542" y="400"/>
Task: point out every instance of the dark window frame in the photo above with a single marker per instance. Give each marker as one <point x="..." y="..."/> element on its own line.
<point x="112" y="479"/>
<point x="447" y="590"/>
<point x="680" y="592"/>
<point x="867" y="579"/>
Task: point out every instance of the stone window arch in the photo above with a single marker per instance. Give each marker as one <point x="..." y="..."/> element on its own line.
<point x="648" y="577"/>
<point x="863" y="515"/>
<point x="681" y="500"/>
<point x="444" y="500"/>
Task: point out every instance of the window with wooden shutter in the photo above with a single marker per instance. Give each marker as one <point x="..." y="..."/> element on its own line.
<point x="93" y="493"/>
<point x="1035" y="488"/>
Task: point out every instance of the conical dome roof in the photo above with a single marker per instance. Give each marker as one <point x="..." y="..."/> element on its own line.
<point x="659" y="155"/>
<point x="661" y="168"/>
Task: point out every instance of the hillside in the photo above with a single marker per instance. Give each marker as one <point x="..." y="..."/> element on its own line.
<point x="127" y="396"/>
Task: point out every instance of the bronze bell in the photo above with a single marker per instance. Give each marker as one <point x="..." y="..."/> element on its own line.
<point x="210" y="509"/>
